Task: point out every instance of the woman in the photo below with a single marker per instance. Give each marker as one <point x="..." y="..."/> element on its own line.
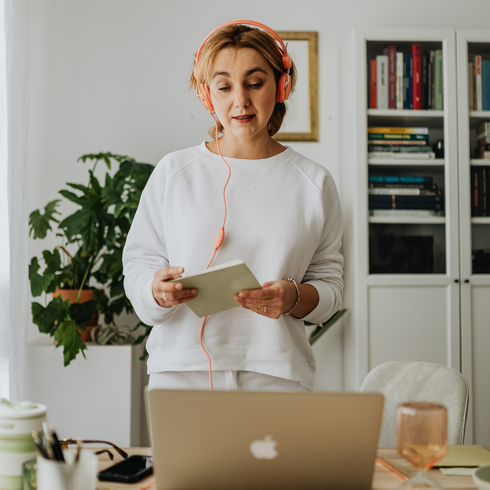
<point x="283" y="220"/>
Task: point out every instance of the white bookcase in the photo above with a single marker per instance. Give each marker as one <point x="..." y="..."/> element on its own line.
<point x="474" y="234"/>
<point x="398" y="316"/>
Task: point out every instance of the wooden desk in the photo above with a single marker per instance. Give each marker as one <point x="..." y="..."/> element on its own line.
<point x="383" y="479"/>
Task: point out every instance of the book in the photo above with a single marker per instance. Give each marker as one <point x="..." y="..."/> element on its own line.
<point x="399" y="81"/>
<point x="403" y="191"/>
<point x="485" y="85"/>
<point x="406" y="81"/>
<point x="397" y="142"/>
<point x="391" y="53"/>
<point x="424" y="66"/>
<point x="475" y="208"/>
<point x="399" y="137"/>
<point x="484" y="191"/>
<point x="397" y="130"/>
<point x="410" y="81"/>
<point x="483" y="127"/>
<point x="417" y="76"/>
<point x="393" y="201"/>
<point x="405" y="213"/>
<point x="400" y="179"/>
<point x="430" y="81"/>
<point x="478" y="84"/>
<point x="401" y="156"/>
<point x="372" y="85"/>
<point x="438" y="82"/>
<point x="382" y="81"/>
<point x="482" y="153"/>
<point x="373" y="146"/>
<point x="471" y="107"/>
<point x="217" y="287"/>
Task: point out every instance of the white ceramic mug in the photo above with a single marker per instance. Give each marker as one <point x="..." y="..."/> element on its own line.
<point x="56" y="475"/>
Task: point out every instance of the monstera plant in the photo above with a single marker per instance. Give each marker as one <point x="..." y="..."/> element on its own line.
<point x="95" y="233"/>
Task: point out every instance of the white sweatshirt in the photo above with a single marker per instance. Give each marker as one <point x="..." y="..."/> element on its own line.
<point x="283" y="221"/>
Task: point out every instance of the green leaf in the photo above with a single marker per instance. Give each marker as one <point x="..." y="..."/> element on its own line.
<point x="82" y="313"/>
<point x="39" y="284"/>
<point x="69" y="337"/>
<point x="45" y="318"/>
<point x="39" y="224"/>
<point x="71" y="196"/>
<point x="77" y="223"/>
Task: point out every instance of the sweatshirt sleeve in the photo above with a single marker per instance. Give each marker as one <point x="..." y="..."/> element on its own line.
<point x="326" y="267"/>
<point x="145" y="251"/>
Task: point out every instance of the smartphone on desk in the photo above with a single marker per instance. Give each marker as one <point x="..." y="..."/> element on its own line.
<point x="130" y="470"/>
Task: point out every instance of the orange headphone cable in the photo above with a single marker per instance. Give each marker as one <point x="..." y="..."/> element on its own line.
<point x="217" y="244"/>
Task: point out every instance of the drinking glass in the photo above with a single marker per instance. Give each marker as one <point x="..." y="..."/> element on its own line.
<point x="421" y="439"/>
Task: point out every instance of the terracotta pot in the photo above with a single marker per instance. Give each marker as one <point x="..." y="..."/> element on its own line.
<point x="85" y="295"/>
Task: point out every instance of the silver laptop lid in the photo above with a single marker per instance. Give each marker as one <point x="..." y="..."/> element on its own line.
<point x="222" y="440"/>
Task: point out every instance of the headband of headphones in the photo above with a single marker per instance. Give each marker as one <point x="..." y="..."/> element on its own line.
<point x="284" y="84"/>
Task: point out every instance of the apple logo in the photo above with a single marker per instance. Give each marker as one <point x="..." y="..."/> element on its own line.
<point x="264" y="448"/>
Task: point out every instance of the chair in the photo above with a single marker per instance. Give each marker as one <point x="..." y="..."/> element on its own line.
<point x="403" y="381"/>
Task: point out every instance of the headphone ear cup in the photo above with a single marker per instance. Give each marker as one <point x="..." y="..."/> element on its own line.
<point x="205" y="96"/>
<point x="283" y="87"/>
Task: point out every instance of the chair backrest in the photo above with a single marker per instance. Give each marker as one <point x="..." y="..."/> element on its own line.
<point x="403" y="381"/>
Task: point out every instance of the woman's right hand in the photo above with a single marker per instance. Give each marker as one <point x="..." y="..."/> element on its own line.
<point x="168" y="294"/>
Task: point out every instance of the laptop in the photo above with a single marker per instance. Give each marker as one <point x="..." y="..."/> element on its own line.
<point x="242" y="439"/>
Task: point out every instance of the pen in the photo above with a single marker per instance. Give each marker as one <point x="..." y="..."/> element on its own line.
<point x="58" y="452"/>
<point x="401" y="473"/>
<point x="39" y="444"/>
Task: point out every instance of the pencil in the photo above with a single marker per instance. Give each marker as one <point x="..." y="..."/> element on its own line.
<point x="401" y="473"/>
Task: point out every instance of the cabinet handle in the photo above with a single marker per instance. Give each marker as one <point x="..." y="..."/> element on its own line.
<point x="466" y="281"/>
<point x="456" y="281"/>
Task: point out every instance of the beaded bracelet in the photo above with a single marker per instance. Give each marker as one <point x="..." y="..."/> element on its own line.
<point x="290" y="279"/>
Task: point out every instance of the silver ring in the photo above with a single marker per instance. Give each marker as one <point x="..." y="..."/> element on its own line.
<point x="164" y="297"/>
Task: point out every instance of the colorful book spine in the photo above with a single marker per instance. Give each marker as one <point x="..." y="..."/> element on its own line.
<point x="372" y="85"/>
<point x="417" y="76"/>
<point x="438" y="81"/>
<point x="406" y="81"/>
<point x="399" y="81"/>
<point x="410" y="81"/>
<point x="424" y="72"/>
<point x="397" y="130"/>
<point x="471" y="107"/>
<point x="391" y="53"/>
<point x="430" y="83"/>
<point x="382" y="81"/>
<point x="393" y="201"/>
<point x="475" y="208"/>
<point x="400" y="179"/>
<point x="478" y="84"/>
<point x="400" y="137"/>
<point x="485" y="85"/>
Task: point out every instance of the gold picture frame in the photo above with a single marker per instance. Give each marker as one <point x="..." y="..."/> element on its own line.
<point x="302" y="108"/>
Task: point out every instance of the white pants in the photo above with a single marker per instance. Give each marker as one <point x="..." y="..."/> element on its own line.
<point x="222" y="380"/>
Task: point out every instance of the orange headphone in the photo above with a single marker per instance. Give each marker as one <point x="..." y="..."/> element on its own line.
<point x="202" y="91"/>
<point x="284" y="83"/>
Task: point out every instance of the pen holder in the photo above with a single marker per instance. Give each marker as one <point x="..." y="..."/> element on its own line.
<point x="69" y="475"/>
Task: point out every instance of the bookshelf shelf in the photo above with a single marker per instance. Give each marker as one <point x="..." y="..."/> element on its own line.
<point x="407" y="161"/>
<point x="436" y="220"/>
<point x="480" y="114"/>
<point x="480" y="161"/>
<point x="404" y="113"/>
<point x="480" y="221"/>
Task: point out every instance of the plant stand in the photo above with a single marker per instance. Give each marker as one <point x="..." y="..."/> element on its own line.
<point x="98" y="398"/>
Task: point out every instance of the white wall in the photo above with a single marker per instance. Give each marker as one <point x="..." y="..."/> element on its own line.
<point x="112" y="75"/>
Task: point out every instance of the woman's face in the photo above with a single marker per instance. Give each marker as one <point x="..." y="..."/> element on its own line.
<point x="243" y="92"/>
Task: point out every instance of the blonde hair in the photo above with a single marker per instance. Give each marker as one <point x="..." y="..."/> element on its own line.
<point x="242" y="36"/>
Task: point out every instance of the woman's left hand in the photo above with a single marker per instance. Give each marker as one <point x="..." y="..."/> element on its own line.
<point x="272" y="300"/>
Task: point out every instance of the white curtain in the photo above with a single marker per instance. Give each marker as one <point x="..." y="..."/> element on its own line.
<point x="14" y="287"/>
